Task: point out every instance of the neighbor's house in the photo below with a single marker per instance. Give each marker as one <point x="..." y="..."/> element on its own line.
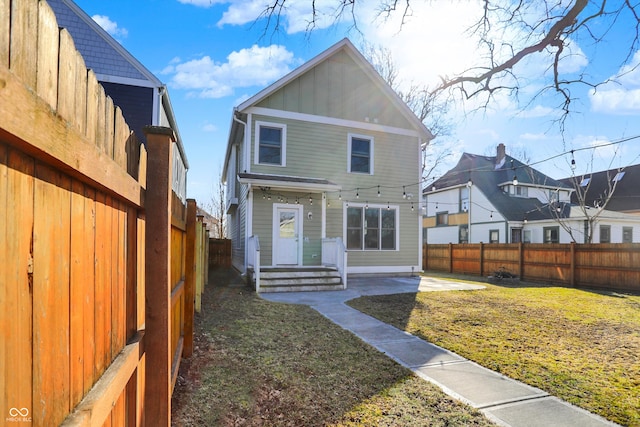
<point x="321" y="160"/>
<point x="501" y="200"/>
<point x="622" y="184"/>
<point x="143" y="99"/>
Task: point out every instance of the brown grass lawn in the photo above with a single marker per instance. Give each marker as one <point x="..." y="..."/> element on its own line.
<point x="578" y="345"/>
<point x="259" y="363"/>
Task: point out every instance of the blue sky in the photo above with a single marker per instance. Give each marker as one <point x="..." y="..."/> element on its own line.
<point x="213" y="55"/>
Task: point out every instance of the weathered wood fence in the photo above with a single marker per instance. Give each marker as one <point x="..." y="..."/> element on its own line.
<point x="220" y="253"/>
<point x="614" y="266"/>
<point x="97" y="273"/>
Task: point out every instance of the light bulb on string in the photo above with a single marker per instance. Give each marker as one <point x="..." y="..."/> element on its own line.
<point x="378" y="191"/>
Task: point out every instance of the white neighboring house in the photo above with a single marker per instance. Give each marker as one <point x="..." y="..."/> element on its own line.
<point x="501" y="200"/>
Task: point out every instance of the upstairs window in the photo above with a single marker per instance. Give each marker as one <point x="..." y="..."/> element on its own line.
<point x="520" y="191"/>
<point x="271" y="143"/>
<point x="551" y="234"/>
<point x="464" y="199"/>
<point x="442" y="218"/>
<point x="360" y="154"/>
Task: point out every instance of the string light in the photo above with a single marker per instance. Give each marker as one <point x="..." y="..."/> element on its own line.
<point x="404" y="192"/>
<point x="573" y="162"/>
<point x="378" y="191"/>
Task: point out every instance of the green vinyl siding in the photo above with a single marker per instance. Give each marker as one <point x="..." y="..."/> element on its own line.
<point x="338" y="88"/>
<point x="311" y="228"/>
<point x="321" y="151"/>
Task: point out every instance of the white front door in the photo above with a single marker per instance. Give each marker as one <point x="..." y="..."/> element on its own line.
<point x="287" y="230"/>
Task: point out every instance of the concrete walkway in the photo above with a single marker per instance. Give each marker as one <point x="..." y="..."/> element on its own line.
<point x="503" y="400"/>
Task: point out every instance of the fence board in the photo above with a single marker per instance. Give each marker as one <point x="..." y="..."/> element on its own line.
<point x="16" y="220"/>
<point x="47" y="67"/>
<point x="89" y="297"/>
<point x="219" y="253"/>
<point x="92" y="106"/>
<point x="23" y="50"/>
<point x="109" y="117"/>
<point x="613" y="266"/>
<point x="5" y="10"/>
<point x="51" y="401"/>
<point x="67" y="79"/>
<point x="100" y="283"/>
<point x="78" y="275"/>
<point x="80" y="120"/>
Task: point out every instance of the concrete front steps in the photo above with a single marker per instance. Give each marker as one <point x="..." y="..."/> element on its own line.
<point x="299" y="279"/>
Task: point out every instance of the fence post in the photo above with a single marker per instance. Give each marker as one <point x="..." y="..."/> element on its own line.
<point x="207" y="238"/>
<point x="190" y="278"/>
<point x="450" y="258"/>
<point x="572" y="277"/>
<point x="521" y="260"/>
<point x="158" y="276"/>
<point x="198" y="263"/>
<point x="481" y="259"/>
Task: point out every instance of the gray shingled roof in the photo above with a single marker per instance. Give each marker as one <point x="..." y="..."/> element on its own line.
<point x="488" y="178"/>
<point x="99" y="54"/>
<point x="626" y="196"/>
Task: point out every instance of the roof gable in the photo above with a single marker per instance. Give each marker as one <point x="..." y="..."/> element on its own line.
<point x="339" y="83"/>
<point x="101" y="52"/>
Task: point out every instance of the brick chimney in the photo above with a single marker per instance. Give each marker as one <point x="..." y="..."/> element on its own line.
<point x="500" y="155"/>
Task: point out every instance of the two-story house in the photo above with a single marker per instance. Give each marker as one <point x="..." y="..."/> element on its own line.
<point x="498" y="199"/>
<point x="319" y="163"/>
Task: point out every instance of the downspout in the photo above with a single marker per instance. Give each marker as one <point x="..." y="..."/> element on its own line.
<point x="249" y="200"/>
<point x="244" y="138"/>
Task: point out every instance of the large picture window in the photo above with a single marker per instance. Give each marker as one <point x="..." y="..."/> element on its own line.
<point x="360" y="154"/>
<point x="371" y="228"/>
<point x="271" y="143"/>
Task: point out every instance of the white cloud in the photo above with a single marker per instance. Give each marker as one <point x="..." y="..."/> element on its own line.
<point x="533" y="136"/>
<point x="295" y="18"/>
<point x="537" y="111"/>
<point x="621" y="95"/>
<point x="200" y="3"/>
<point x="110" y="27"/>
<point x="208" y="127"/>
<point x="255" y="66"/>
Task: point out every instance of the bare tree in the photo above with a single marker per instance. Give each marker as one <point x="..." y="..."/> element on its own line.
<point x="425" y="104"/>
<point x="547" y="29"/>
<point x="590" y="206"/>
<point x="217" y="207"/>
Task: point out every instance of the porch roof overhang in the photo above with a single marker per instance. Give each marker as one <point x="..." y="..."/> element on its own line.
<point x="284" y="182"/>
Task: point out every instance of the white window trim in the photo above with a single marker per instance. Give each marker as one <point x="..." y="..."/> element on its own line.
<point x="396" y="208"/>
<point x="256" y="143"/>
<point x="371" y="156"/>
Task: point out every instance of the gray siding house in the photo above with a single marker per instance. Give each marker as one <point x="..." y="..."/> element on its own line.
<point x="143" y="99"/>
<point x="320" y="170"/>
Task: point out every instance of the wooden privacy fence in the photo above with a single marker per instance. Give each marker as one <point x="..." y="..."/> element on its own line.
<point x="220" y="253"/>
<point x="614" y="266"/>
<point x="89" y="227"/>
